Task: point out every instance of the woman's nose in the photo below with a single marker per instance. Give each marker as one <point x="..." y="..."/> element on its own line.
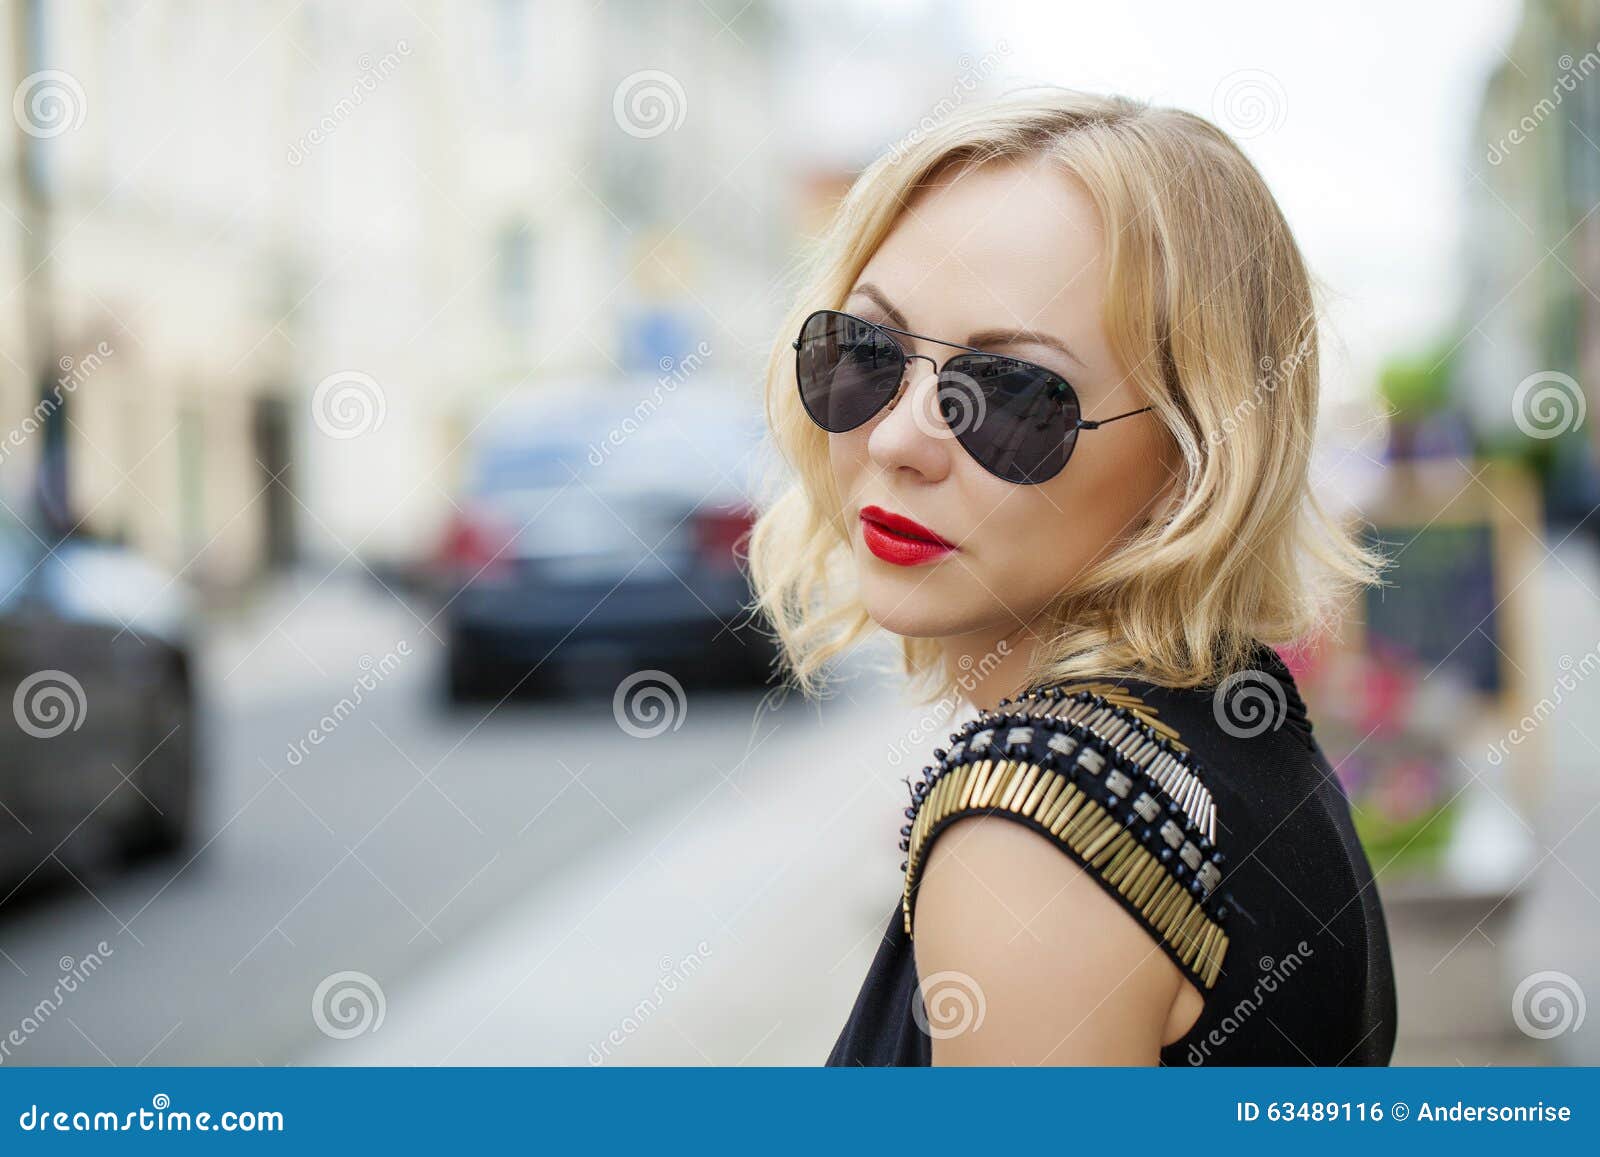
<point x="912" y="435"/>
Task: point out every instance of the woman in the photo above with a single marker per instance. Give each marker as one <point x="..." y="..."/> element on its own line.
<point x="1048" y="400"/>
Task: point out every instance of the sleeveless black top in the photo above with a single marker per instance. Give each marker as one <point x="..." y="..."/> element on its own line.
<point x="1214" y="818"/>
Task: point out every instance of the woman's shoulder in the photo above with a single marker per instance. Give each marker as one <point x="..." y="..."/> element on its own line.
<point x="1154" y="791"/>
<point x="1211" y="817"/>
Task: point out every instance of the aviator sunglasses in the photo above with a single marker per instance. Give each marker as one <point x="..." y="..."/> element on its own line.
<point x="1017" y="420"/>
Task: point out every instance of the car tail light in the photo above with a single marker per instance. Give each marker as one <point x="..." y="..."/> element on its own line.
<point x="474" y="547"/>
<point x="721" y="533"/>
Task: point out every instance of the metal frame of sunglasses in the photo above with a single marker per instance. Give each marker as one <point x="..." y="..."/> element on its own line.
<point x="1047" y="376"/>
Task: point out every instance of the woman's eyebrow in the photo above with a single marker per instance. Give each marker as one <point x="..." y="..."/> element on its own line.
<point x="996" y="337"/>
<point x="983" y="339"/>
<point x="875" y="295"/>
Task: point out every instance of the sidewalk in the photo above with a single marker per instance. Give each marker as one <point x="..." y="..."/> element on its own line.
<point x="735" y="929"/>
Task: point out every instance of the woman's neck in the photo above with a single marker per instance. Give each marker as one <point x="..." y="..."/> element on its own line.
<point x="990" y="667"/>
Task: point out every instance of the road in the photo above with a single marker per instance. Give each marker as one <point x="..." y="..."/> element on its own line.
<point x="390" y="841"/>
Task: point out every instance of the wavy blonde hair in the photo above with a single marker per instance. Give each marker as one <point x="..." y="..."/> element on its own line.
<point x="1209" y="303"/>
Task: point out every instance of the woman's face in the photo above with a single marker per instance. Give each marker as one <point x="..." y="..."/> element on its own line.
<point x="1009" y="258"/>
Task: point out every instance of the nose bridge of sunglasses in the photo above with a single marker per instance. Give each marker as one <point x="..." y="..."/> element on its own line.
<point x="908" y="376"/>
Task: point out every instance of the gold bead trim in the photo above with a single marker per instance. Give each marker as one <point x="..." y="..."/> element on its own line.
<point x="1048" y="703"/>
<point x="1095" y="837"/>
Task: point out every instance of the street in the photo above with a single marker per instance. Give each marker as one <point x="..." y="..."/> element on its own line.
<point x="393" y="839"/>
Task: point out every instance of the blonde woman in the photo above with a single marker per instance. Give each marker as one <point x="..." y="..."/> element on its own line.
<point x="1048" y="402"/>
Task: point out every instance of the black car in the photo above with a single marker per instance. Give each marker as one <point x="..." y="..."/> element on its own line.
<point x="97" y="760"/>
<point x="601" y="538"/>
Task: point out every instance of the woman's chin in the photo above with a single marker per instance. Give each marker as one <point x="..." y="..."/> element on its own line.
<point x="902" y="609"/>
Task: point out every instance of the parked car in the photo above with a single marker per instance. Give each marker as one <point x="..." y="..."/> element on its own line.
<point x="97" y="756"/>
<point x="600" y="537"/>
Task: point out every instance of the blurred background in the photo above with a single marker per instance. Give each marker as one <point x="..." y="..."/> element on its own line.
<point x="379" y="419"/>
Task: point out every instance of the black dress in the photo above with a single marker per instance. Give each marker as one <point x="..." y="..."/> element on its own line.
<point x="1214" y="818"/>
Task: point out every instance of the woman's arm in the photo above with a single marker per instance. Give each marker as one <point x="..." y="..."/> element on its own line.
<point x="1058" y="971"/>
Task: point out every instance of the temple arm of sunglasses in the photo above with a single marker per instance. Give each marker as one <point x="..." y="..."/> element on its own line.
<point x="1086" y="424"/>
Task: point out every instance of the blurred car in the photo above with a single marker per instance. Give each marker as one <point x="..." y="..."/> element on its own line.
<point x="600" y="536"/>
<point x="97" y="759"/>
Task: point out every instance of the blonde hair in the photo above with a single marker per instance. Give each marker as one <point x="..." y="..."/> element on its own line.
<point x="1209" y="305"/>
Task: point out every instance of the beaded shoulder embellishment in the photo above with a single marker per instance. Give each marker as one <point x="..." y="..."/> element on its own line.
<point x="1091" y="767"/>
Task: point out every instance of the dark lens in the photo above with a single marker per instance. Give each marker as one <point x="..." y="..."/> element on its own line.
<point x="848" y="369"/>
<point x="1018" y="421"/>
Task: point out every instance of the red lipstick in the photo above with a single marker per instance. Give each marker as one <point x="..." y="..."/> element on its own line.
<point x="896" y="539"/>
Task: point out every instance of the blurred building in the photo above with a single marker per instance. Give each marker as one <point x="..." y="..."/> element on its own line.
<point x="1533" y="247"/>
<point x="322" y="238"/>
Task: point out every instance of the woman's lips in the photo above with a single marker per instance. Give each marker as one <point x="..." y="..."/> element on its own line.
<point x="896" y="539"/>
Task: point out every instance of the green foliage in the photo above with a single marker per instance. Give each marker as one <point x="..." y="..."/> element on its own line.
<point x="1417" y="385"/>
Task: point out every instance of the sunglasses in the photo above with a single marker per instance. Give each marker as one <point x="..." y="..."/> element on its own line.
<point x="1017" y="420"/>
